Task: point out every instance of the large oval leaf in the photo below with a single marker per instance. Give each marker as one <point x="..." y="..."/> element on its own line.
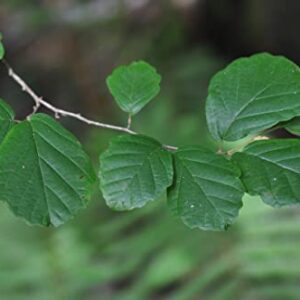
<point x="271" y="169"/>
<point x="7" y="116"/>
<point x="133" y="171"/>
<point x="207" y="192"/>
<point x="251" y="95"/>
<point x="45" y="176"/>
<point x="134" y="86"/>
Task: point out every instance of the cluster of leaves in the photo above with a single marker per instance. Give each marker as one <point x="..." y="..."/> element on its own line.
<point x="46" y="177"/>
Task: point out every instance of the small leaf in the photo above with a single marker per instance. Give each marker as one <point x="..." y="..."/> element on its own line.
<point x="293" y="127"/>
<point x="271" y="169"/>
<point x="251" y="95"/>
<point x="134" y="86"/>
<point x="7" y="116"/>
<point x="134" y="171"/>
<point x="45" y="176"/>
<point x="207" y="192"/>
<point x="2" y="50"/>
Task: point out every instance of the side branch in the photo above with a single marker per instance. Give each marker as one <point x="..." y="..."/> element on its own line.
<point x="39" y="101"/>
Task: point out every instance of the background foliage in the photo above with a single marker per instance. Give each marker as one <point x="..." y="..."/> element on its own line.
<point x="66" y="49"/>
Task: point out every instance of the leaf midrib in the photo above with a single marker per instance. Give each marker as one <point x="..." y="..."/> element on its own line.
<point x="240" y="111"/>
<point x="197" y="184"/>
<point x="139" y="169"/>
<point x="41" y="173"/>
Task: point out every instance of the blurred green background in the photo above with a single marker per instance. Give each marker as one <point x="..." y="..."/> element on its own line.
<point x="65" y="49"/>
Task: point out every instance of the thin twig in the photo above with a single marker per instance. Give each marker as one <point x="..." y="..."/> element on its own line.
<point x="243" y="145"/>
<point x="129" y="121"/>
<point x="171" y="148"/>
<point x="39" y="101"/>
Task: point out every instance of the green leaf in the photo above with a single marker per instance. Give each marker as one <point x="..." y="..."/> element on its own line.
<point x="2" y="50"/>
<point x="207" y="192"/>
<point x="293" y="127"/>
<point x="271" y="169"/>
<point x="134" y="171"/>
<point x="7" y="116"/>
<point x="134" y="86"/>
<point x="251" y="95"/>
<point x="45" y="176"/>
